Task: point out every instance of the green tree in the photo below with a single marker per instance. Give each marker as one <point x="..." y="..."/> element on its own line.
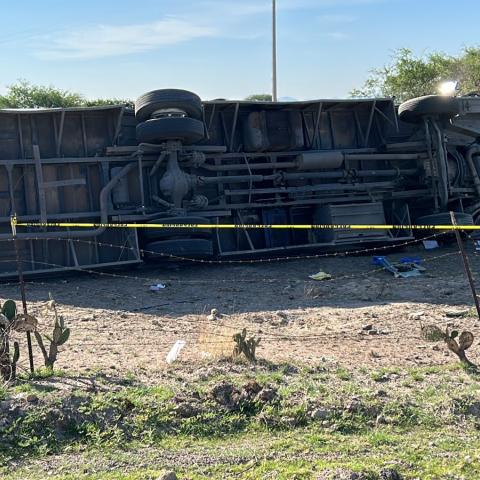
<point x="409" y="76"/>
<point x="24" y="94"/>
<point x="259" y="97"/>
<point x="97" y="102"/>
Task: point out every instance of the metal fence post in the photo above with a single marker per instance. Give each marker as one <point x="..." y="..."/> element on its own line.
<point x="466" y="264"/>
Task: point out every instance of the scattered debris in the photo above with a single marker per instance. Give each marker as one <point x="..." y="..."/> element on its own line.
<point x="407" y="267"/>
<point x="456" y="313"/>
<point x="430" y="244"/>
<point x="175" y="351"/>
<point x="320" y="276"/>
<point x="214" y="315"/>
<point x="416" y="316"/>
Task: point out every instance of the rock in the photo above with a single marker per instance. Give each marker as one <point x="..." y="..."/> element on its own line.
<point x="390" y="474"/>
<point x="167" y="476"/>
<point x="214" y="315"/>
<point x="380" y="420"/>
<point x="416" y="316"/>
<point x="373" y="332"/>
<point x="252" y="387"/>
<point x="187" y="410"/>
<point x="320" y="414"/>
<point x="354" y="406"/>
<point x="474" y="409"/>
<point x="257" y="319"/>
<point x="367" y="328"/>
<point x="267" y="395"/>
<point x="456" y="313"/>
<point x="226" y="395"/>
<point x="5" y="405"/>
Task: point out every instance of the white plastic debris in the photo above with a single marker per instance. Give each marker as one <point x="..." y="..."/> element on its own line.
<point x="175" y="351"/>
<point x="157" y="287"/>
<point x="430" y="244"/>
<point x="320" y="276"/>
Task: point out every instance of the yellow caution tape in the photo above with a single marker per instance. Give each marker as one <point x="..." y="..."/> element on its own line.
<point x="241" y="226"/>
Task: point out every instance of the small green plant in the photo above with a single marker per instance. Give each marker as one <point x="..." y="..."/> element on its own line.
<point x="432" y="333"/>
<point x="343" y="374"/>
<point x="8" y="362"/>
<point x="59" y="337"/>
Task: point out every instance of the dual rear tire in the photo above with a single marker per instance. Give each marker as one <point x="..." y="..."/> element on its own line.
<point x="169" y="115"/>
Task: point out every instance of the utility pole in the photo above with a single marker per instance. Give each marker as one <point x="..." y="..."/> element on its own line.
<point x="274" y="51"/>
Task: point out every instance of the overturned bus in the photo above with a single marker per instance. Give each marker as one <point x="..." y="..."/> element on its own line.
<point x="178" y="160"/>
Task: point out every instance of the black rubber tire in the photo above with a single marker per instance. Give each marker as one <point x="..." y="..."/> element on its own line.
<point x="158" y="130"/>
<point x="412" y="111"/>
<point x="149" y="102"/>
<point x="164" y="233"/>
<point x="195" y="248"/>
<point x="445" y="219"/>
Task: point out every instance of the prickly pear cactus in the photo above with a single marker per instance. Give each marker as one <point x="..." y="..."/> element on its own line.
<point x="9" y="310"/>
<point x="432" y="333"/>
<point x="245" y="346"/>
<point x="8" y="363"/>
<point x="59" y="337"/>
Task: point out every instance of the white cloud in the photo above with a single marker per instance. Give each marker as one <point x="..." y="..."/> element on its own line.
<point x="338" y="35"/>
<point x="111" y="40"/>
<point x="208" y="18"/>
<point x="337" y="18"/>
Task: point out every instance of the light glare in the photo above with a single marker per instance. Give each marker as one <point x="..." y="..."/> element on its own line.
<point x="448" y="89"/>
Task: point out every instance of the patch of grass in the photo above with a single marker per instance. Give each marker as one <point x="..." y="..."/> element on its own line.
<point x="417" y="375"/>
<point x="343" y="374"/>
<point x="426" y="427"/>
<point x="42" y="373"/>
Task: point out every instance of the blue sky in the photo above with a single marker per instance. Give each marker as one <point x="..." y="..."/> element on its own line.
<point x="220" y="48"/>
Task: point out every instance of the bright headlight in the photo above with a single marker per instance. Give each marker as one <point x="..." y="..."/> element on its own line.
<point x="448" y="89"/>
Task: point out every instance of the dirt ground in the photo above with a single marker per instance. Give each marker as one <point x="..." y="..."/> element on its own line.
<point x="117" y="323"/>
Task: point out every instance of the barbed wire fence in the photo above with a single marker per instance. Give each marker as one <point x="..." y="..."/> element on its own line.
<point x="218" y="333"/>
